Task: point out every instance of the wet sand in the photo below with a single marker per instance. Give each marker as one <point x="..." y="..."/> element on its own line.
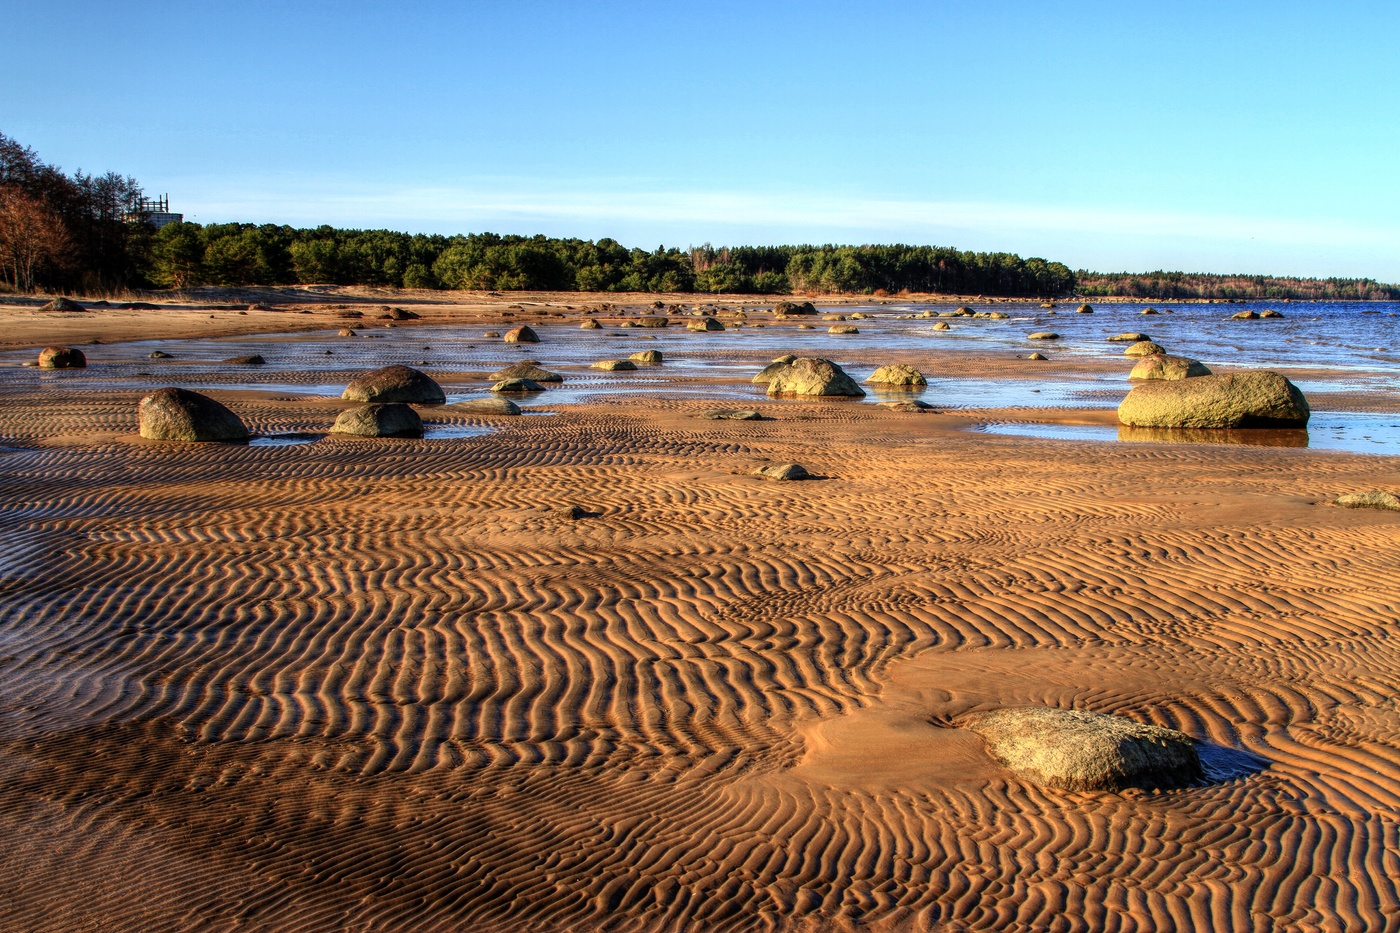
<point x="378" y="685"/>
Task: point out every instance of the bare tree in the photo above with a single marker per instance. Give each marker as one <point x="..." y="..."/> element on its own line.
<point x="31" y="237"/>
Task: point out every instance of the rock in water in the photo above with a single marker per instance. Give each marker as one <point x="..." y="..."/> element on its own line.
<point x="1369" y="500"/>
<point x="63" y="304"/>
<point x="1143" y="348"/>
<point x="1077" y="750"/>
<point x="252" y="359"/>
<point x="1130" y="337"/>
<point x="522" y="334"/>
<point x="1163" y="366"/>
<point x="346" y="332"/>
<point x="487" y="406"/>
<point x="784" y="308"/>
<point x="1245" y="316"/>
<point x="646" y="356"/>
<point x="1257" y="399"/>
<point x="1270" y="312"/>
<point x="1044" y="335"/>
<point x="62" y="358"/>
<point x="1085" y="309"/>
<point x="942" y="325"/>
<point x="517" y="385"/>
<point x="614" y="366"/>
<point x="704" y="323"/>
<point x="391" y="420"/>
<point x="783" y="471"/>
<point x="766" y="374"/>
<point x="526" y="370"/>
<point x="897" y="374"/>
<point x="813" y="376"/>
<point x="182" y="415"/>
<point x="395" y="384"/>
<point x="843" y="329"/>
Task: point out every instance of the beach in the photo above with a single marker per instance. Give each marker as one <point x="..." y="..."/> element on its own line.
<point x="332" y="683"/>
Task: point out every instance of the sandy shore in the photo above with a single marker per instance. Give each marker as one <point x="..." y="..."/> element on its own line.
<point x="379" y="685"/>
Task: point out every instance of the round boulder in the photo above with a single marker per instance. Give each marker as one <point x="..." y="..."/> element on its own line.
<point x="1245" y="316"/>
<point x="1076" y="750"/>
<point x="63" y="304"/>
<point x="897" y="374"/>
<point x="182" y="415"/>
<point x="522" y="334"/>
<point x="766" y="374"/>
<point x="1143" y="348"/>
<point x="813" y="376"/>
<point x="517" y="385"/>
<point x="590" y="324"/>
<point x="251" y="359"/>
<point x="1255" y="399"/>
<point x="1163" y="366"/>
<point x="942" y="325"/>
<point x="704" y="323"/>
<point x="391" y="420"/>
<point x="1085" y="309"/>
<point x="62" y="358"/>
<point x="395" y="384"/>
<point x="1270" y="312"/>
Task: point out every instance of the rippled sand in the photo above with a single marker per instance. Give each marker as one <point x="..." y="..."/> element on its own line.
<point x="356" y="685"/>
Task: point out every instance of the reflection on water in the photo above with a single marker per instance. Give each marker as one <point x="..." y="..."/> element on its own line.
<point x="282" y="440"/>
<point x="445" y="432"/>
<point x="1251" y="437"/>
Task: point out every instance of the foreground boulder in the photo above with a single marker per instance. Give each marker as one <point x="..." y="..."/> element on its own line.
<point x="1258" y="399"/>
<point x="782" y="471"/>
<point x="897" y="374"/>
<point x="526" y="370"/>
<point x="62" y="358"/>
<point x="391" y="420"/>
<point x="1369" y="500"/>
<point x="1077" y="750"/>
<point x="794" y="307"/>
<point x="1164" y="366"/>
<point x="182" y="415"/>
<point x="813" y="376"/>
<point x="395" y="384"/>
<point x="522" y="334"/>
<point x="590" y="324"/>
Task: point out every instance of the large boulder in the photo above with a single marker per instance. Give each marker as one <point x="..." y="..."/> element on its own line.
<point x="182" y="415"/>
<point x="766" y="374"/>
<point x="375" y="420"/>
<point x="1255" y="399"/>
<point x="1164" y="366"/>
<point x="647" y="356"/>
<point x="1376" y="499"/>
<point x="526" y="370"/>
<point x="650" y="321"/>
<point x="1077" y="750"/>
<point x="62" y="358"/>
<point x="897" y="374"/>
<point x="517" y="385"/>
<point x="1143" y="348"/>
<point x="783" y="308"/>
<point x="522" y="334"/>
<point x="812" y="376"/>
<point x="843" y="329"/>
<point x="395" y="384"/>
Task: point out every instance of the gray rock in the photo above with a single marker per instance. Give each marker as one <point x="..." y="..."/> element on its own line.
<point x="526" y="370"/>
<point x="251" y="359"/>
<point x="181" y="415"/>
<point x="379" y="420"/>
<point x="813" y="376"/>
<point x="1164" y="366"/>
<point x="517" y="385"/>
<point x="913" y="405"/>
<point x="784" y="308"/>
<point x="62" y="358"/>
<point x="1369" y="500"/>
<point x="1245" y="316"/>
<point x="1076" y="750"/>
<point x="63" y="304"/>
<point x="1255" y="399"/>
<point x="487" y="406"/>
<point x="704" y="323"/>
<point x="782" y="471"/>
<point x="395" y="384"/>
<point x="522" y="334"/>
<point x="897" y="374"/>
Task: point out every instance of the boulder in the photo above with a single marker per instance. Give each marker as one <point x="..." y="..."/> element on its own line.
<point x="784" y="308"/>
<point x="649" y="321"/>
<point x="833" y="317"/>
<point x="345" y="332"/>
<point x="843" y="329"/>
<point x="491" y="333"/>
<point x="1163" y="366"/>
<point x="897" y="374"/>
<point x="1149" y="311"/>
<point x="1270" y="312"/>
<point x="811" y="376"/>
<point x="158" y="355"/>
<point x="1143" y="348"/>
<point x="522" y="334"/>
<point x="646" y="356"/>
<point x="1085" y="309"/>
<point x="1043" y="335"/>
<point x="1076" y="750"/>
<point x="487" y="406"/>
<point x="782" y="471"/>
<point x="1037" y="356"/>
<point x="63" y="304"/>
<point x="395" y="384"/>
<point x="614" y="366"/>
<point x="942" y="325"/>
<point x="1245" y="316"/>
<point x="998" y="316"/>
<point x="526" y="369"/>
<point x="259" y="306"/>
<point x="1369" y="500"/>
<point x="732" y="414"/>
<point x="376" y="420"/>
<point x="590" y="324"/>
<point x="182" y="415"/>
<point x="704" y="323"/>
<point x="251" y="359"/>
<point x="62" y="358"/>
<point x="913" y="405"/>
<point x="1253" y="399"/>
<point x="517" y="385"/>
<point x="399" y="314"/>
<point x="1129" y="337"/>
<point x="766" y="374"/>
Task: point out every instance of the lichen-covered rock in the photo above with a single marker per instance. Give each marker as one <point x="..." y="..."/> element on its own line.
<point x="1246" y="315"/>
<point x="1369" y="500"/>
<point x="181" y="415"/>
<point x="614" y="366"/>
<point x="395" y="384"/>
<point x="1077" y="750"/>
<point x="62" y="358"/>
<point x="782" y="471"/>
<point x="1165" y="366"/>
<point x="1270" y="313"/>
<point x="647" y="356"/>
<point x="1143" y="348"/>
<point x="1085" y="309"/>
<point x="526" y="369"/>
<point x="522" y="334"/>
<point x="942" y="325"/>
<point x="766" y="374"/>
<point x="379" y="420"/>
<point x="897" y="374"/>
<point x="1255" y="399"/>
<point x="813" y="376"/>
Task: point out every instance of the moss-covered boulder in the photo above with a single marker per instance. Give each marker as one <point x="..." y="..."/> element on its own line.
<point x="181" y="415"/>
<point x="1255" y="399"/>
<point x="1165" y="366"/>
<point x="395" y="384"/>
<point x="815" y="377"/>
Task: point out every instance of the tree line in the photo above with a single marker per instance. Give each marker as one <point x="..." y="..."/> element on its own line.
<point x="1161" y="285"/>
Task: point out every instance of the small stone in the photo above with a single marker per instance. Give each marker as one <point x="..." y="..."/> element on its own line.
<point x="487" y="406"/>
<point x="1037" y="356"/>
<point x="843" y="329"/>
<point x="345" y="332"/>
<point x="158" y="355"/>
<point x="1129" y="337"/>
<point x="590" y="324"/>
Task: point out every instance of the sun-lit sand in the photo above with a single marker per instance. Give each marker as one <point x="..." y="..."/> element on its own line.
<point x="379" y="685"/>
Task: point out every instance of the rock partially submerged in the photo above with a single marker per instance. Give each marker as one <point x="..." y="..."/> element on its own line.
<point x="487" y="406"/>
<point x="517" y="385"/>
<point x="1245" y="315"/>
<point x="765" y="375"/>
<point x="813" y="376"/>
<point x="1369" y="500"/>
<point x="62" y="358"/>
<point x="843" y="329"/>
<point x="1129" y="337"/>
<point x="897" y="374"/>
<point x="704" y="324"/>
<point x="782" y="471"/>
<point x="942" y="325"/>
<point x="1256" y="399"/>
<point x="1164" y="366"/>
<point x="614" y="366"/>
<point x="379" y="420"/>
<point x="1043" y="335"/>
<point x="526" y="369"/>
<point x="522" y="334"/>
<point x="181" y="415"/>
<point x="1077" y="750"/>
<point x="784" y="308"/>
<point x="395" y="384"/>
<point x="912" y="405"/>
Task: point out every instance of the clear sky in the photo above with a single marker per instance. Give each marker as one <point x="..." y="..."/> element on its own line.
<point x="1212" y="136"/>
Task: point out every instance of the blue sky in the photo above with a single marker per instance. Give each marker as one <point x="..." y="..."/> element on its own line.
<point x="1223" y="137"/>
